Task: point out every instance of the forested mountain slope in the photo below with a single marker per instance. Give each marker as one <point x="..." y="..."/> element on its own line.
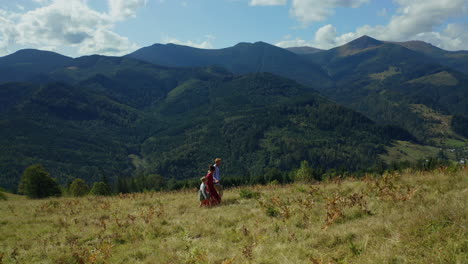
<point x="117" y="116"/>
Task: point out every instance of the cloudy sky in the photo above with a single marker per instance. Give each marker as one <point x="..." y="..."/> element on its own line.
<point x="117" y="27"/>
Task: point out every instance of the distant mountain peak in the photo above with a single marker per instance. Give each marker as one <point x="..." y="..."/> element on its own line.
<point x="258" y="43"/>
<point x="364" y="42"/>
<point x="240" y="44"/>
<point x="420" y="46"/>
<point x="262" y="43"/>
<point x="33" y="53"/>
<point x="28" y="64"/>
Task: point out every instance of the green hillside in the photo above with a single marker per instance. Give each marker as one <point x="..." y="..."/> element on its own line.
<point x="117" y="111"/>
<point x="70" y="130"/>
<point x="379" y="79"/>
<point x="457" y="60"/>
<point x="383" y="81"/>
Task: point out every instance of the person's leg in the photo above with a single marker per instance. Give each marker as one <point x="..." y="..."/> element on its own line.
<point x="219" y="189"/>
<point x="213" y="201"/>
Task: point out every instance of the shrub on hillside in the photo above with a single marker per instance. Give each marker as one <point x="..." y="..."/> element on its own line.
<point x="305" y="173"/>
<point x="100" y="188"/>
<point x="2" y="195"/>
<point x="248" y="194"/>
<point x="36" y="182"/>
<point x="79" y="188"/>
<point x="274" y="174"/>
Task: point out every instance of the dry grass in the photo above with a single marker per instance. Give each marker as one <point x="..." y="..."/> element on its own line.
<point x="409" y="218"/>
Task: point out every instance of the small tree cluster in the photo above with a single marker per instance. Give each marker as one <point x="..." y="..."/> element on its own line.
<point x="101" y="188"/>
<point x="36" y="182"/>
<point x="78" y="188"/>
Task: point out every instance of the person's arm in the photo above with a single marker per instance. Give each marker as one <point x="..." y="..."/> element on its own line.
<point x="216" y="175"/>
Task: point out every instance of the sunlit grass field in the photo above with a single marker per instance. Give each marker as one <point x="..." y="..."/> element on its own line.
<point x="410" y="217"/>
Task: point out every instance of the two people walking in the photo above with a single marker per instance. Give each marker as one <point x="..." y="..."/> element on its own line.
<point x="211" y="190"/>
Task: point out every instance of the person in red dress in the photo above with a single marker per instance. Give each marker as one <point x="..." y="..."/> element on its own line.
<point x="214" y="196"/>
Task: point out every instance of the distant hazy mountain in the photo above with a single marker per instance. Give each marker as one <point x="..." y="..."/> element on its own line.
<point x="28" y="63"/>
<point x="240" y="59"/>
<point x="455" y="59"/>
<point x="304" y="50"/>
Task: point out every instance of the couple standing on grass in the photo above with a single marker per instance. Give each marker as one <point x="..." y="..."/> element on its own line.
<point x="211" y="190"/>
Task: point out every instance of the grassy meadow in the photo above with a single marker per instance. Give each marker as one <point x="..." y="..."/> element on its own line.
<point x="410" y="217"/>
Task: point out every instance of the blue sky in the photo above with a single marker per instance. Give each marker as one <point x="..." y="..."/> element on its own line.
<point x="117" y="27"/>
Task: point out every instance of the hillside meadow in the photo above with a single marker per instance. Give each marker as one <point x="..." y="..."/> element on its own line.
<point x="408" y="217"/>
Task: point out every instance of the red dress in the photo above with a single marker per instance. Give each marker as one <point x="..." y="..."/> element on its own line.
<point x="214" y="196"/>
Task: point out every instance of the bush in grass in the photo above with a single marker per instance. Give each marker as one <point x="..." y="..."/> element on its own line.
<point x="272" y="211"/>
<point x="274" y="182"/>
<point x="36" y="182"/>
<point x="100" y="188"/>
<point x="305" y="173"/>
<point x="248" y="194"/>
<point x="273" y="175"/>
<point x="78" y="188"/>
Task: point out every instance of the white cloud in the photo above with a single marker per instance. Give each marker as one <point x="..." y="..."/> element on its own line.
<point x="267" y="2"/>
<point x="453" y="37"/>
<point x="414" y="20"/>
<point x="383" y="12"/>
<point x="417" y="16"/>
<point x="307" y="11"/>
<point x="326" y="36"/>
<point x="205" y="44"/>
<point x="122" y="9"/>
<point x="42" y="2"/>
<point x="69" y="23"/>
<point x="105" y="41"/>
<point x="7" y="32"/>
<point x="293" y="43"/>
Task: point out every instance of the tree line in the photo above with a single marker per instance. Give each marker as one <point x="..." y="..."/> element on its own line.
<point x="36" y="182"/>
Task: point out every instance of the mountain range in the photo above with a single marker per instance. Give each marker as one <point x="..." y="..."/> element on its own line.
<point x="169" y="109"/>
<point x="240" y="59"/>
<point x="382" y="80"/>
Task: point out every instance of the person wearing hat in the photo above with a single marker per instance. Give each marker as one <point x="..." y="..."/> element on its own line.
<point x="217" y="177"/>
